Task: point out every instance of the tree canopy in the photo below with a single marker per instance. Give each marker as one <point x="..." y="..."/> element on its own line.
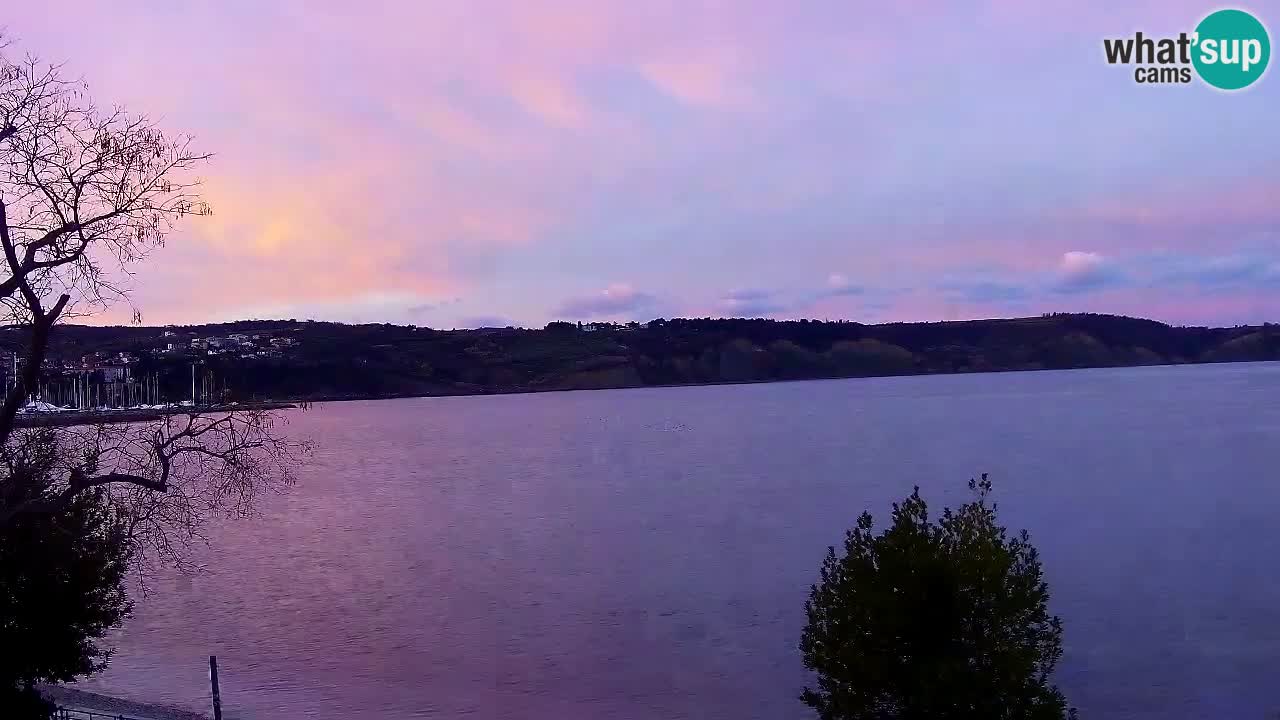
<point x="61" y="586"/>
<point x="938" y="620"/>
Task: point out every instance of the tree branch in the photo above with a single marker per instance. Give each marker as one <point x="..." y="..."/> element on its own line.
<point x="79" y="482"/>
<point x="79" y="188"/>
<point x="86" y="482"/>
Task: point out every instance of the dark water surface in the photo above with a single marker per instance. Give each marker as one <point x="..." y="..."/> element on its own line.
<point x="646" y="553"/>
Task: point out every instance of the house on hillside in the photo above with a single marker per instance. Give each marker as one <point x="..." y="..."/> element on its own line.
<point x="114" y="373"/>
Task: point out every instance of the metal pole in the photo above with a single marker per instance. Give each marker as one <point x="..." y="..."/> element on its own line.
<point x="213" y="680"/>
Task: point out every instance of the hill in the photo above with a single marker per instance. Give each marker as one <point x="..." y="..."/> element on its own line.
<point x="320" y="360"/>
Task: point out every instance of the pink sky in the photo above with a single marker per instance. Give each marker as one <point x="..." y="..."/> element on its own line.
<point x="453" y="164"/>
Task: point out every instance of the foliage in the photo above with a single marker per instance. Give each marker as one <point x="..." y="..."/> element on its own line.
<point x="86" y="192"/>
<point x="61" y="585"/>
<point x="330" y="360"/>
<point x="944" y="620"/>
<point x="869" y="357"/>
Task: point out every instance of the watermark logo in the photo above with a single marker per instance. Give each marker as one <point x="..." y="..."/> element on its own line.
<point x="1229" y="50"/>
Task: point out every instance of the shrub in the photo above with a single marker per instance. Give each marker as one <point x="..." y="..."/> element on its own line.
<point x="944" y="620"/>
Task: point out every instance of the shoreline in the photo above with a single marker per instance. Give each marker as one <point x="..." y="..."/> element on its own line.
<point x="487" y="392"/>
<point x="85" y="701"/>
<point x="128" y="415"/>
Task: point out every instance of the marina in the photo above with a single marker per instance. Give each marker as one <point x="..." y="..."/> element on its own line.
<point x="53" y="416"/>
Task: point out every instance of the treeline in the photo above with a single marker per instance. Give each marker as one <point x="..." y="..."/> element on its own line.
<point x="333" y="360"/>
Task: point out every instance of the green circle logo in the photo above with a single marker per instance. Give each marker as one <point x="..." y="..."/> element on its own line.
<point x="1231" y="49"/>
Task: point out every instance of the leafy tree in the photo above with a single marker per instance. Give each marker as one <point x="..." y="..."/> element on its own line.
<point x="1076" y="350"/>
<point x="61" y="585"/>
<point x="795" y="361"/>
<point x="869" y="357"/>
<point x="742" y="360"/>
<point x="944" y="620"/>
<point x="86" y="192"/>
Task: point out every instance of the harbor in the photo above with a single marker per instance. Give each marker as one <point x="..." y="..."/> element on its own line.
<point x="112" y="394"/>
<point x="62" y="417"/>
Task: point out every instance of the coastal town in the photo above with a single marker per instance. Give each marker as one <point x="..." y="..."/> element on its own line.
<point x="172" y="369"/>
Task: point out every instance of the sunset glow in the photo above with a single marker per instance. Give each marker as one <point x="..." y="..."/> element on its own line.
<point x="494" y="162"/>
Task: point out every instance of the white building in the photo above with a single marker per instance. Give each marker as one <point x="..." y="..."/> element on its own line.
<point x="114" y="373"/>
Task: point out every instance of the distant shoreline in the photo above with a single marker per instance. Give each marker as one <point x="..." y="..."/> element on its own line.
<point x="330" y="362"/>
<point x="128" y="415"/>
<point x="716" y="383"/>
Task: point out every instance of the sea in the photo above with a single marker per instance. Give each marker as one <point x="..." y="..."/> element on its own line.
<point x="646" y="553"/>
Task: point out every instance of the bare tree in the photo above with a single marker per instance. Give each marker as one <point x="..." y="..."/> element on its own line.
<point x="86" y="193"/>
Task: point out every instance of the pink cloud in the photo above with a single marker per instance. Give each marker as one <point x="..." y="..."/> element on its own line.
<point x="386" y="149"/>
<point x="550" y="100"/>
<point x="1151" y="15"/>
<point x="711" y="76"/>
<point x="1244" y="201"/>
<point x="1077" y="263"/>
<point x="619" y="299"/>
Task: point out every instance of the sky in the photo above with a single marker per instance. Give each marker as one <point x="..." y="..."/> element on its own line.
<point x="494" y="162"/>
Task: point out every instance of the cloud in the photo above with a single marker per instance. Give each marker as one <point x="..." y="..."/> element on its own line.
<point x="1080" y="263"/>
<point x="1107" y="283"/>
<point x="423" y="308"/>
<point x="549" y="101"/>
<point x="465" y="148"/>
<point x="484" y="321"/>
<point x="753" y="302"/>
<point x="1256" y="269"/>
<point x="985" y="291"/>
<point x="617" y="299"/>
<point x="747" y="295"/>
<point x="759" y="302"/>
<point x="1242" y="270"/>
<point x="710" y="77"/>
<point x="1077" y="272"/>
<point x="839" y="285"/>
<point x="1080" y="272"/>
<point x="1246" y="201"/>
<point x="375" y="307"/>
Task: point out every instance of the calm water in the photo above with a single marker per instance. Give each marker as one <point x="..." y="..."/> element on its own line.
<point x="646" y="553"/>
